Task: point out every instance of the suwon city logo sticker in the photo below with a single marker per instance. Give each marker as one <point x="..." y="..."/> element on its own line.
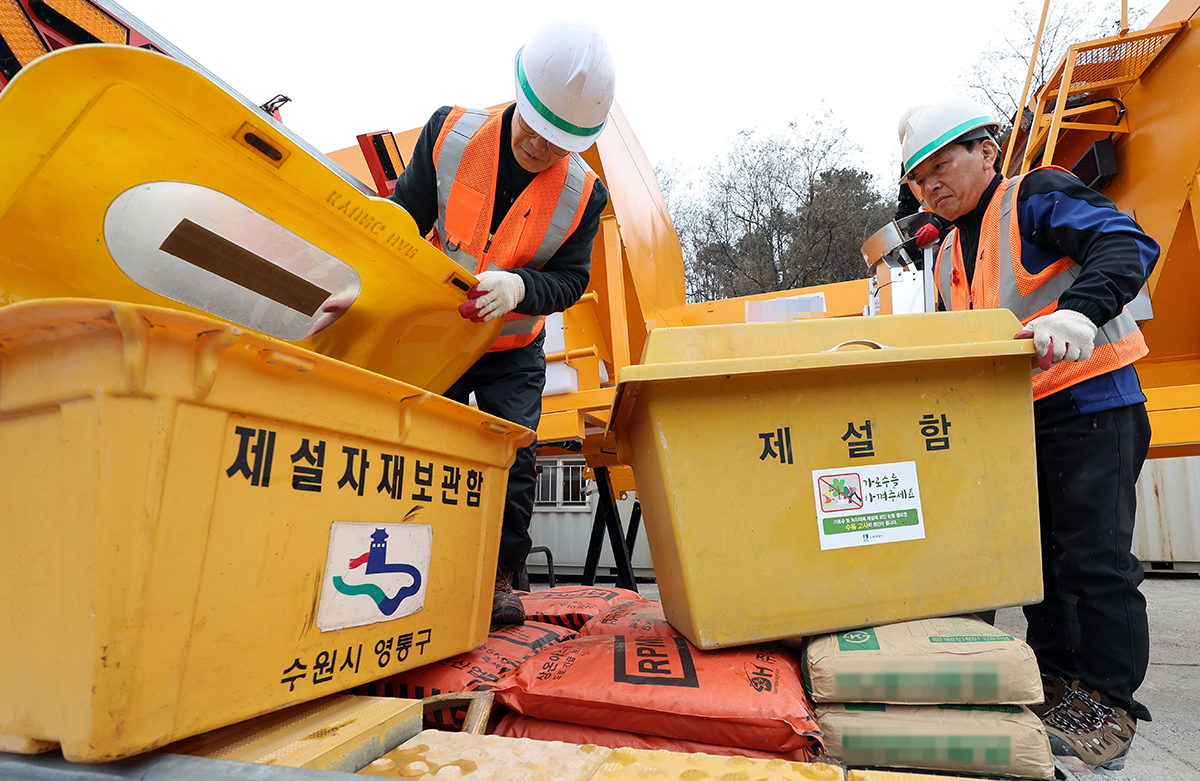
<point x="374" y="572"/>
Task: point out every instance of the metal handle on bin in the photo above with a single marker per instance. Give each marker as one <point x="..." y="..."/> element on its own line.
<point x="867" y="342"/>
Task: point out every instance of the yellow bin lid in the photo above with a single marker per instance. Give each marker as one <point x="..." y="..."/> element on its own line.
<point x="695" y="352"/>
<point x="129" y="176"/>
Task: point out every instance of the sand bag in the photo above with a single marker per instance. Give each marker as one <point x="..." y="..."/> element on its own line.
<point x="483" y="668"/>
<point x="932" y="661"/>
<point x="635" y="617"/>
<point x="514" y="725"/>
<point x="573" y="606"/>
<point x="750" y="696"/>
<point x="1005" y="740"/>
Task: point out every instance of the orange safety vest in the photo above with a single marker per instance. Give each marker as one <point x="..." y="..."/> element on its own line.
<point x="466" y="156"/>
<point x="1002" y="282"/>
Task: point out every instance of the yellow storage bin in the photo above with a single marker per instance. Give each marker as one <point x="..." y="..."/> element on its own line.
<point x="202" y="525"/>
<point x="814" y="476"/>
<point x="126" y="175"/>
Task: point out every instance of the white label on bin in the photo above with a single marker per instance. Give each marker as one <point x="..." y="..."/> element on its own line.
<point x="374" y="572"/>
<point x="867" y="505"/>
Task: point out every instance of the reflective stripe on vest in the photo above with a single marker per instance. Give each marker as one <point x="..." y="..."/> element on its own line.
<point x="1118" y="342"/>
<point x="453" y="147"/>
<point x="564" y="213"/>
<point x="945" y="267"/>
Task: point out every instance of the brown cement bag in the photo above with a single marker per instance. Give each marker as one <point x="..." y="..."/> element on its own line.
<point x="483" y="668"/>
<point x="514" y="725"/>
<point x="572" y="606"/>
<point x="932" y="661"/>
<point x="1005" y="740"/>
<point x="750" y="696"/>
<point x="635" y="617"/>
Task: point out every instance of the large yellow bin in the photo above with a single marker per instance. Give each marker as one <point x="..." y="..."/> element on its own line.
<point x="201" y="525"/>
<point x="807" y="477"/>
<point x="126" y="175"/>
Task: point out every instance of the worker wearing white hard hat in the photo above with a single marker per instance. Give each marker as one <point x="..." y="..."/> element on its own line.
<point x="1066" y="262"/>
<point x="506" y="195"/>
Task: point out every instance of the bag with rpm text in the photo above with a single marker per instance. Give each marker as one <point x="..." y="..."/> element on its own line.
<point x="750" y="696"/>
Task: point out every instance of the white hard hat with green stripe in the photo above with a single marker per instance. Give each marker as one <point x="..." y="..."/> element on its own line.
<point x="565" y="84"/>
<point x="925" y="130"/>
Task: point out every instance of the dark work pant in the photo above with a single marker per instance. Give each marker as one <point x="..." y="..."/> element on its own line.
<point x="508" y="384"/>
<point x="1091" y="625"/>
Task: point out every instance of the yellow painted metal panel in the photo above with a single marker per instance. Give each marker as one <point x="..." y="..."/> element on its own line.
<point x="737" y="461"/>
<point x="842" y="299"/>
<point x="187" y="511"/>
<point x="340" y="733"/>
<point x="111" y="153"/>
<point x="653" y="257"/>
<point x="560" y="426"/>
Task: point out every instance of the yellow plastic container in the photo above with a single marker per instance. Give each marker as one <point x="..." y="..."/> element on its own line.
<point x="126" y="175"/>
<point x="814" y="476"/>
<point x="202" y="525"/>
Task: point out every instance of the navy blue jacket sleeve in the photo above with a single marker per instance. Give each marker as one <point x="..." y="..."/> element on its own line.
<point x="1059" y="215"/>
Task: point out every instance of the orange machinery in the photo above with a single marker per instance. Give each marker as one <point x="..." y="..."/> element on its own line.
<point x="1128" y="122"/>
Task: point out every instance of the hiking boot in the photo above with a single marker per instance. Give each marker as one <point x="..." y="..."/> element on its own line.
<point x="1084" y="725"/>
<point x="1054" y="689"/>
<point x="506" y="606"/>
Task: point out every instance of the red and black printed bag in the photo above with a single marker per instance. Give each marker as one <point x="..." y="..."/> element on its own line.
<point x="749" y="696"/>
<point x="635" y="617"/>
<point x="481" y="669"/>
<point x="514" y="725"/>
<point x="572" y="606"/>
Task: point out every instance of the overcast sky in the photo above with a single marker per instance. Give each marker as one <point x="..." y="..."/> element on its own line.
<point x="689" y="75"/>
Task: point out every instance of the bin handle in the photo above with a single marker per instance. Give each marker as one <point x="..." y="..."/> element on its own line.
<point x="867" y="342"/>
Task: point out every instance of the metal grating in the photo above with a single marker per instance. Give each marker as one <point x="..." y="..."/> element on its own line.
<point x="19" y="34"/>
<point x="1118" y="61"/>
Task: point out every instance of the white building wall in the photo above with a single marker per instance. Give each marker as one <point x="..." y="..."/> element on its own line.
<point x="1168" y="513"/>
<point x="568" y="532"/>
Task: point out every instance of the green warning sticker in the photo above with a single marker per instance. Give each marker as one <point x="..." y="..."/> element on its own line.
<point x="871" y="521"/>
<point x="868" y="504"/>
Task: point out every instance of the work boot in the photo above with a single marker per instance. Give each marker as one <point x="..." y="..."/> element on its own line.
<point x="1084" y="725"/>
<point x="506" y="606"/>
<point x="1053" y="691"/>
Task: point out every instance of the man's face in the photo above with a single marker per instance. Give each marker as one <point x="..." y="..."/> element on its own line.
<point x="953" y="180"/>
<point x="534" y="153"/>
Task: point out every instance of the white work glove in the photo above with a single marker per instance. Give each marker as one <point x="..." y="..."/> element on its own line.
<point x="496" y="294"/>
<point x="1062" y="335"/>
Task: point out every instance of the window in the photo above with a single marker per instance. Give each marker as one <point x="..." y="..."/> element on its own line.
<point x="560" y="484"/>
